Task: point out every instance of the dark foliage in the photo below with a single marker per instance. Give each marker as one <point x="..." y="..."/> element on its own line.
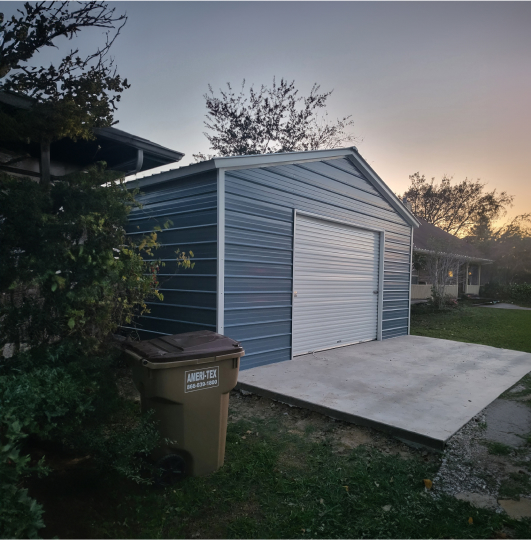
<point x="67" y="268"/>
<point x="59" y="393"/>
<point x="515" y="292"/>
<point x="271" y="119"/>
<point x="457" y="208"/>
<point x="68" y="99"/>
<point x="509" y="246"/>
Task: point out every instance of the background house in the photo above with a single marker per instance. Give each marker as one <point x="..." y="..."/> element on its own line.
<point x="465" y="280"/>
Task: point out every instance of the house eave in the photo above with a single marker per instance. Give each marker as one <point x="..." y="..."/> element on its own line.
<point x="122" y="151"/>
<point x="119" y="136"/>
<point x="456" y="255"/>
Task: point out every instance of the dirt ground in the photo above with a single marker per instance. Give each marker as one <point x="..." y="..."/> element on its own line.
<point x="343" y="436"/>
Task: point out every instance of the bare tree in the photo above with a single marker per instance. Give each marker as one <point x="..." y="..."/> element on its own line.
<point x="457" y="208"/>
<point x="271" y="119"/>
<point x="442" y="264"/>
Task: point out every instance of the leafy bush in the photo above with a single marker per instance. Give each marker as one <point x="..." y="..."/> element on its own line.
<point x="69" y="277"/>
<point x="67" y="268"/>
<point x="20" y="516"/>
<point x="436" y="303"/>
<point x="59" y="393"/>
<point x="34" y="395"/>
<point x="514" y="292"/>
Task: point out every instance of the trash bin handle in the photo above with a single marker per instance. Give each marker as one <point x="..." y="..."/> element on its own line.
<point x="133" y="355"/>
<point x="175" y="364"/>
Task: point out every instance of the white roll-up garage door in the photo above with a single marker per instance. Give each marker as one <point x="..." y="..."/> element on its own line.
<point x="335" y="284"/>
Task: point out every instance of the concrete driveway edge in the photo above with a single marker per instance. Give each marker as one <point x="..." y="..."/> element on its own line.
<point x="408" y="437"/>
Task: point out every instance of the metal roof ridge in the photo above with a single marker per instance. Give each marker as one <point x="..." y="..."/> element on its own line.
<point x="223" y="162"/>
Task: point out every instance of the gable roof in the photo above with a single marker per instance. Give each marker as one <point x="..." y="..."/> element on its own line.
<point x="427" y="232"/>
<point x="284" y="158"/>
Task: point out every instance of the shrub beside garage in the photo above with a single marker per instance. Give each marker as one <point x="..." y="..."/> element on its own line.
<point x="69" y="278"/>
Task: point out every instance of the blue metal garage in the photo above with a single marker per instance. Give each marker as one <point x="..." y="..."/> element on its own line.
<point x="293" y="252"/>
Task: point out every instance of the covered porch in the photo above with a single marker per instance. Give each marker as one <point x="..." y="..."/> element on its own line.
<point x="466" y="280"/>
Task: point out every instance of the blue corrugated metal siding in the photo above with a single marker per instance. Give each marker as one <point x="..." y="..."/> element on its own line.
<point x="189" y="295"/>
<point x="259" y="248"/>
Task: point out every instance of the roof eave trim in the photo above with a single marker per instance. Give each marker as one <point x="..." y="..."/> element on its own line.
<point x="464" y="257"/>
<point x="173" y="174"/>
<point x="139" y="143"/>
<point x="271" y="160"/>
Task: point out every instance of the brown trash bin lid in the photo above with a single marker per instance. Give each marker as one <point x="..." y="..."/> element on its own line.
<point x="180" y="347"/>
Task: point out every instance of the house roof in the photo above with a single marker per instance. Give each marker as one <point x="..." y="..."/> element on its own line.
<point x="285" y="158"/>
<point x="427" y="234"/>
<point x="122" y="151"/>
<point x="155" y="155"/>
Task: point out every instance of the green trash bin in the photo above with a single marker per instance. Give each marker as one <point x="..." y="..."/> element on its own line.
<point x="186" y="379"/>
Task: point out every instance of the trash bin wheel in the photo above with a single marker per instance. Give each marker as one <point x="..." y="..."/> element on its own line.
<point x="171" y="469"/>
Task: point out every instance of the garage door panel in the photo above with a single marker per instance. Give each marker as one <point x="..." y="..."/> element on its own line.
<point x="335" y="245"/>
<point x="314" y="344"/>
<point x="335" y="278"/>
<point x="333" y="331"/>
<point x="336" y="238"/>
<point x="344" y="303"/>
<point x="363" y="262"/>
<point x="345" y="254"/>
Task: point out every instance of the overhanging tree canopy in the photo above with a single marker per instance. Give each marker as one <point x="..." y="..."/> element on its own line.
<point x="71" y="98"/>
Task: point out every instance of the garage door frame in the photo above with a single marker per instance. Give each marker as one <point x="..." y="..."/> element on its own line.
<point x="354" y="225"/>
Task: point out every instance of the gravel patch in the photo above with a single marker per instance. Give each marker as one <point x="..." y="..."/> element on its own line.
<point x="470" y="472"/>
<point x="461" y="469"/>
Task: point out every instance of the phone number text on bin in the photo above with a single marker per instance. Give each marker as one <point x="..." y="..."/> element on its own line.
<point x="201" y="379"/>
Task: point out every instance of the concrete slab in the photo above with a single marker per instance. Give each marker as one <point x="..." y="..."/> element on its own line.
<point x="501" y="305"/>
<point x="416" y="388"/>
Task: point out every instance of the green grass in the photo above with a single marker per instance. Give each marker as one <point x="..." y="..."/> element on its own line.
<point x="499" y="449"/>
<point x="504" y="328"/>
<point x="516" y="484"/>
<point x="524" y="390"/>
<point x="279" y="485"/>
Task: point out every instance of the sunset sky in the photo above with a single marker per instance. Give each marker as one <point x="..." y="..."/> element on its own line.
<point x="440" y="88"/>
